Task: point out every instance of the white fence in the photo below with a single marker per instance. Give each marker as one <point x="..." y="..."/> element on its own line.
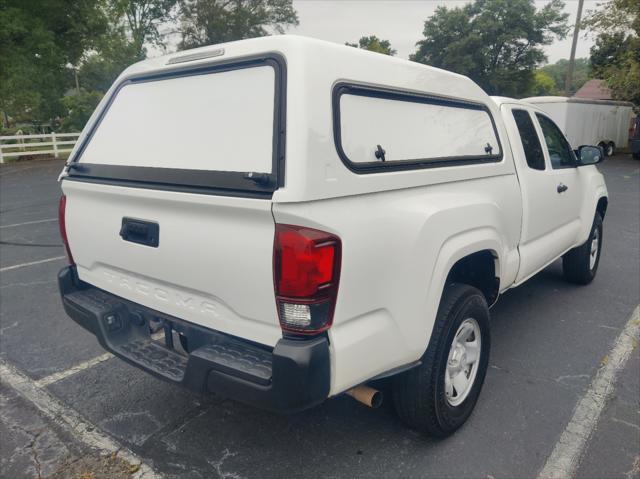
<point x="30" y="145"/>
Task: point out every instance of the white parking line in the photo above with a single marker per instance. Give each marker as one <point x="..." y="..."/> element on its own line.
<point x="565" y="458"/>
<point x="31" y="263"/>
<point x="59" y="376"/>
<point x="54" y="378"/>
<point x="70" y="420"/>
<point x="49" y="220"/>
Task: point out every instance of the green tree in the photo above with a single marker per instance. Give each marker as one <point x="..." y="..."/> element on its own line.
<point x="543" y="84"/>
<point x="495" y="42"/>
<point x="206" y="22"/>
<point x="615" y="57"/>
<point x="38" y="42"/>
<point x="142" y="19"/>
<point x="558" y="72"/>
<point x="374" y="44"/>
<point x="101" y="67"/>
<point x="79" y="108"/>
<point x="133" y="24"/>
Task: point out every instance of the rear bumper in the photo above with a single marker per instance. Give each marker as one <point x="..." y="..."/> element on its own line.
<point x="294" y="376"/>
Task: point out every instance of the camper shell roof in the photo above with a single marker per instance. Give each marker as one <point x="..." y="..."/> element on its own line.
<point x="565" y="99"/>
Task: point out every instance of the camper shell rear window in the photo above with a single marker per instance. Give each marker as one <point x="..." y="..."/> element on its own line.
<point x="379" y="129"/>
<point x="217" y="128"/>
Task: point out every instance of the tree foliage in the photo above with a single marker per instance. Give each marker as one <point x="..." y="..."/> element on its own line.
<point x="558" y="72"/>
<point x="141" y="19"/>
<point x="46" y="47"/>
<point x="79" y="108"/>
<point x="615" y="57"/>
<point x="101" y="67"/>
<point x="38" y="42"/>
<point x="374" y="44"/>
<point x="543" y="84"/>
<point x="206" y="22"/>
<point x="495" y="42"/>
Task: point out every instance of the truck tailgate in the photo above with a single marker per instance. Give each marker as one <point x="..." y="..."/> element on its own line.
<point x="212" y="265"/>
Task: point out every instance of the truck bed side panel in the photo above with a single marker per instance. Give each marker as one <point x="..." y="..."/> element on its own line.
<point x="397" y="248"/>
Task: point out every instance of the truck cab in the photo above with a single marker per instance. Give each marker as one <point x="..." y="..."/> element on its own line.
<point x="559" y="198"/>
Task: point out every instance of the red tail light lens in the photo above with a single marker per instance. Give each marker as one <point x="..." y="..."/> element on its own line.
<point x="62" y="208"/>
<point x="306" y="277"/>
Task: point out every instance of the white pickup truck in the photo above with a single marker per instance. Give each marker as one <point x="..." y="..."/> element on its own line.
<point x="284" y="220"/>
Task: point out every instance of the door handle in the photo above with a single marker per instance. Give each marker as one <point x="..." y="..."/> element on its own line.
<point x="140" y="232"/>
<point x="562" y="188"/>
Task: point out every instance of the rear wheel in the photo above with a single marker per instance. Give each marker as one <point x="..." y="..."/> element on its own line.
<point x="437" y="397"/>
<point x="609" y="149"/>
<point x="580" y="264"/>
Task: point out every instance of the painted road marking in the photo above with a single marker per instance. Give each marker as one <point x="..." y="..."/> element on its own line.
<point x="59" y="376"/>
<point x="49" y="220"/>
<point x="32" y="263"/>
<point x="565" y="458"/>
<point x="54" y="378"/>
<point x="70" y="420"/>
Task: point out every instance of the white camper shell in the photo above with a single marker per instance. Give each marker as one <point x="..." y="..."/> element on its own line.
<point x="159" y="114"/>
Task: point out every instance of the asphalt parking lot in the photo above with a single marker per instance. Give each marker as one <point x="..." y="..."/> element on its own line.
<point x="550" y="339"/>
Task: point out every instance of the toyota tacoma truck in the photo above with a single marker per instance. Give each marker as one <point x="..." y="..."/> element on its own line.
<point x="284" y="220"/>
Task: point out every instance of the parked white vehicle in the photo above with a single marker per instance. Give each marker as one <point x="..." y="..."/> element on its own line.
<point x="589" y="122"/>
<point x="337" y="217"/>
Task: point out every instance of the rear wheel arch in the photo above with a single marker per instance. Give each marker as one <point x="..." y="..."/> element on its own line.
<point x="481" y="270"/>
<point x="601" y="206"/>
<point x="479" y="244"/>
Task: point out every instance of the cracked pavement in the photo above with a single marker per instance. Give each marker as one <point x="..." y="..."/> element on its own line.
<point x="548" y="340"/>
<point x="32" y="447"/>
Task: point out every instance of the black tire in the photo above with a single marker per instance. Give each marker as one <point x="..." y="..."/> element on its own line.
<point x="419" y="394"/>
<point x="603" y="146"/>
<point x="576" y="263"/>
<point x="610" y="149"/>
<point x="636" y="156"/>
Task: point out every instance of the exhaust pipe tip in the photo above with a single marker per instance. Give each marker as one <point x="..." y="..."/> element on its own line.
<point x="366" y="395"/>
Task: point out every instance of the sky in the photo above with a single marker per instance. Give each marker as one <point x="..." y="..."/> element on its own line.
<point x="401" y="22"/>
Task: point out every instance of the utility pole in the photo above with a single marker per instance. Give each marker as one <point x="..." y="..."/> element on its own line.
<point x="572" y="59"/>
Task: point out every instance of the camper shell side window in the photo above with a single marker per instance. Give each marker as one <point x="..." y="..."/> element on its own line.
<point x="379" y="129"/>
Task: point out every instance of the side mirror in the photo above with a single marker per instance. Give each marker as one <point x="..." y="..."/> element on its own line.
<point x="589" y="155"/>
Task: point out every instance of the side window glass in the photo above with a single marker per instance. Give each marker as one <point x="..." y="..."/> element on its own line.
<point x="530" y="141"/>
<point x="380" y="130"/>
<point x="559" y="149"/>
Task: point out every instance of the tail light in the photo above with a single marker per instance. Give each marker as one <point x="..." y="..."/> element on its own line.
<point x="306" y="276"/>
<point x="62" y="207"/>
